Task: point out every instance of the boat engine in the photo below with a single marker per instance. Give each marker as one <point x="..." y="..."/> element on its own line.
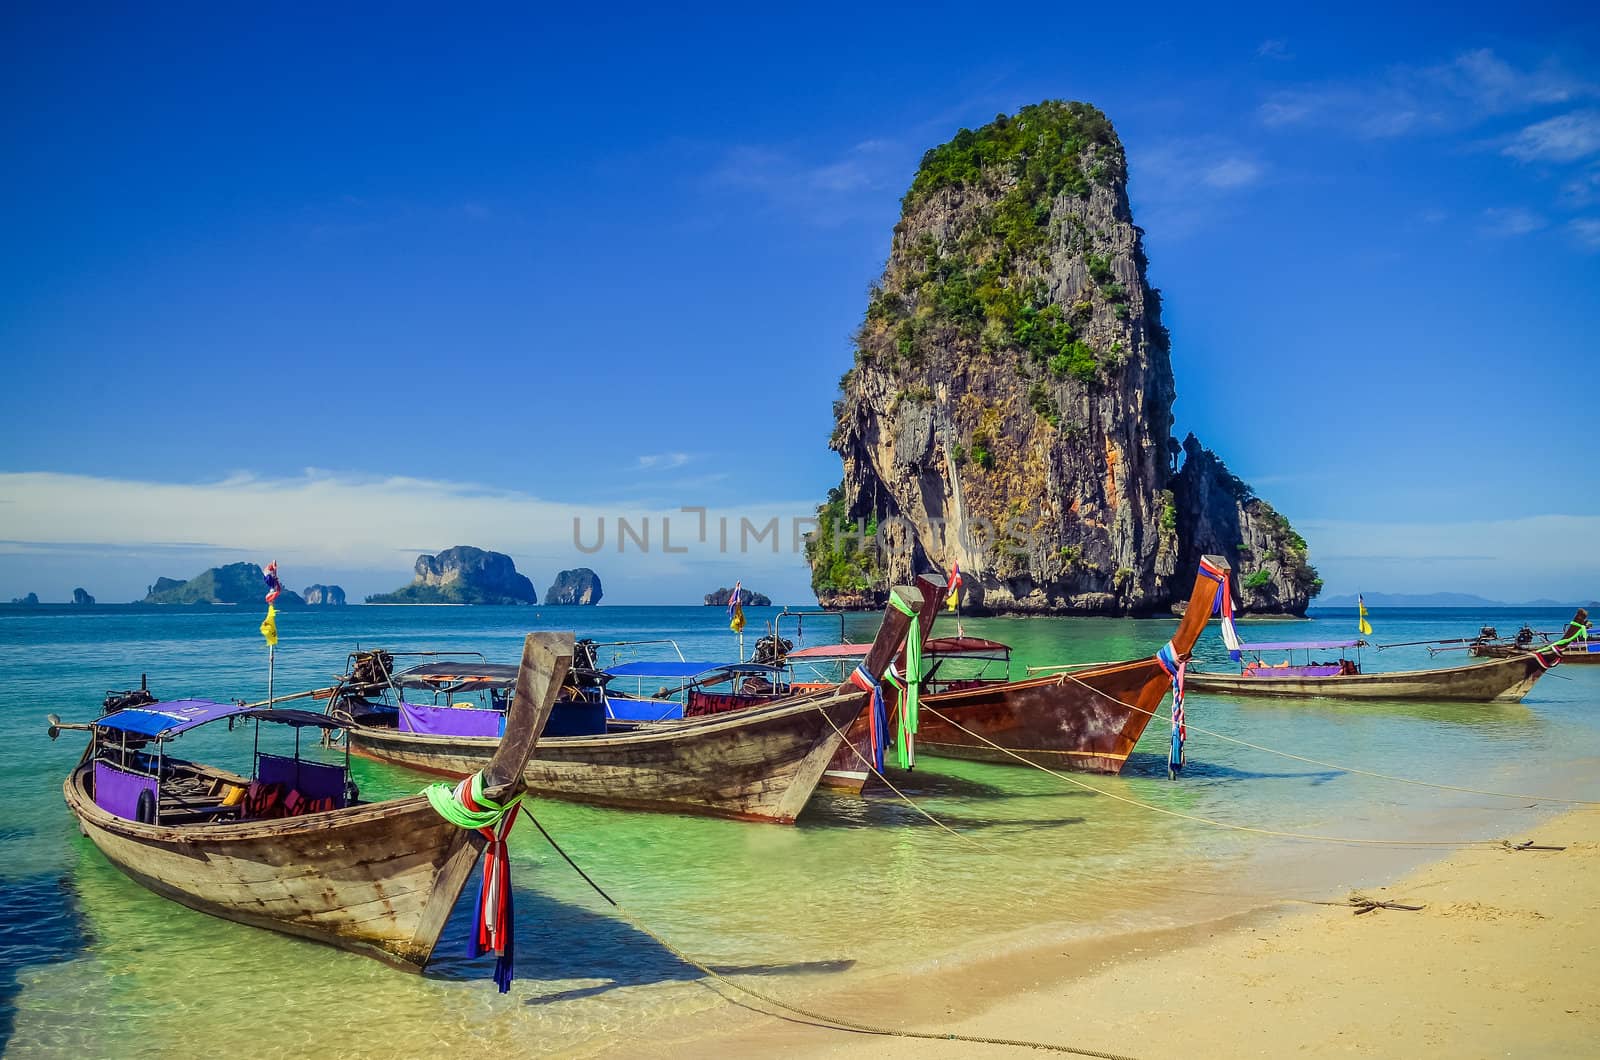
<point x="771" y="650"/>
<point x="1524" y="637"/>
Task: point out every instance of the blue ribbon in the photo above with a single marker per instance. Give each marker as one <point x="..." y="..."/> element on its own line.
<point x="878" y="722"/>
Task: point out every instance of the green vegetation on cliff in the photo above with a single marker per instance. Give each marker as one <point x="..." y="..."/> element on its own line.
<point x="985" y="284"/>
<point x="843" y="563"/>
<point x="235" y="583"/>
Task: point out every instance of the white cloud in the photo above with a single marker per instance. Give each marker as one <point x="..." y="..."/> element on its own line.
<point x="1565" y="138"/>
<point x="334" y="523"/>
<point x="828" y="191"/>
<point x="661" y="461"/>
<point x="1512" y="221"/>
<point x="1513" y="559"/>
<point x="1232" y="173"/>
<point x="1273" y="49"/>
<point x="1587" y="231"/>
<point x="1409" y="99"/>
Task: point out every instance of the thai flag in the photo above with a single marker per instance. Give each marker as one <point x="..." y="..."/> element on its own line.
<point x="270" y="576"/>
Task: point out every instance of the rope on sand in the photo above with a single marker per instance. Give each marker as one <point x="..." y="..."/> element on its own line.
<point x="822" y="1018"/>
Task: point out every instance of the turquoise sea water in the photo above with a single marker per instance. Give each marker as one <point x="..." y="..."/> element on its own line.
<point x="91" y="964"/>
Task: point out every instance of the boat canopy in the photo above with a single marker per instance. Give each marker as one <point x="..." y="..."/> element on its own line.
<point x="466" y="676"/>
<point x="946" y="646"/>
<point x="163" y="721"/>
<point x="672" y="669"/>
<point x="1301" y="645"/>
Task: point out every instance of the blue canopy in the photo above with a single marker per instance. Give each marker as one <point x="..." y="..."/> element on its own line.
<point x="162" y="720"/>
<point x="672" y="669"/>
<point x="165" y="720"/>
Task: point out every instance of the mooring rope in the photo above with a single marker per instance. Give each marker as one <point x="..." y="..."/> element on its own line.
<point x="831" y="1022"/>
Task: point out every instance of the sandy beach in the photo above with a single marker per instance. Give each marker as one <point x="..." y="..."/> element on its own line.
<point x="1502" y="961"/>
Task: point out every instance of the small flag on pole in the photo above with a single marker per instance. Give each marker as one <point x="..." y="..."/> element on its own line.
<point x="270" y="576"/>
<point x="1361" y="621"/>
<point x="269" y="626"/>
<point x="954" y="586"/>
<point x="736" y="608"/>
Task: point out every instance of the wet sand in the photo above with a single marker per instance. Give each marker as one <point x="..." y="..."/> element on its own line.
<point x="1503" y="960"/>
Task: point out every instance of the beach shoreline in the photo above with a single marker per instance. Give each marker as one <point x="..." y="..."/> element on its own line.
<point x="1501" y="960"/>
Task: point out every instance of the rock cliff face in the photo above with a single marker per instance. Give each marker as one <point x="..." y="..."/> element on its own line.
<point x="235" y="583"/>
<point x="323" y="596"/>
<point x="463" y="575"/>
<point x="81" y="597"/>
<point x="1010" y="408"/>
<point x="751" y="599"/>
<point x="578" y="587"/>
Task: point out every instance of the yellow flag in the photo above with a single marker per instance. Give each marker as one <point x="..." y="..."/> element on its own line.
<point x="269" y="626"/>
<point x="1362" y="624"/>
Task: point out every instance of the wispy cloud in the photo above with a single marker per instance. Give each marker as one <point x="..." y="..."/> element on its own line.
<point x="1564" y="138"/>
<point x="1232" y="173"/>
<point x="1507" y="558"/>
<point x="1181" y="186"/>
<point x="1587" y="231"/>
<point x="370" y="524"/>
<point x="1273" y="49"/>
<point x="826" y="191"/>
<point x="1409" y="99"/>
<point x="1512" y="221"/>
<point x="661" y="461"/>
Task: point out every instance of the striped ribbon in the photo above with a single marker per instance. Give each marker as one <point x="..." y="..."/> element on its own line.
<point x="466" y="806"/>
<point x="1223" y="606"/>
<point x="877" y="721"/>
<point x="1175" y="667"/>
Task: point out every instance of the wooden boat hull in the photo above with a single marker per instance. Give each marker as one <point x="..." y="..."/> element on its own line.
<point x="1578" y="654"/>
<point x="1495" y="681"/>
<point x="1088" y="722"/>
<point x="759" y="764"/>
<point x="378" y="879"/>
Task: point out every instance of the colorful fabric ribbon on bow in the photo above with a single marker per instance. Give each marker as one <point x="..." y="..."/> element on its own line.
<point x="877" y="719"/>
<point x="1168" y="658"/>
<point x="465" y="806"/>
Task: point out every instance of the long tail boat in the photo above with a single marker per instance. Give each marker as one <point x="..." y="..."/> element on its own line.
<point x="292" y="849"/>
<point x="1496" y="681"/>
<point x="1086" y="719"/>
<point x="760" y="763"/>
<point x="1579" y="649"/>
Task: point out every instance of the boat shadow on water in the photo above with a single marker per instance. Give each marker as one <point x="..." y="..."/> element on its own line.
<point x="1145" y="766"/>
<point x="40" y="923"/>
<point x="613" y="952"/>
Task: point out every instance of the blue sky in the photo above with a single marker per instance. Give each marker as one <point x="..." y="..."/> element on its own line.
<point x="339" y="288"/>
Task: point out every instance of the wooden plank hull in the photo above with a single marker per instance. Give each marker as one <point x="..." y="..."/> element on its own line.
<point x="377" y="879"/>
<point x="1087" y="722"/>
<point x="1578" y="654"/>
<point x="758" y="764"/>
<point x="1495" y="681"/>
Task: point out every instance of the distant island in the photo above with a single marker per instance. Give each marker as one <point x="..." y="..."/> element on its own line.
<point x="579" y="587"/>
<point x="235" y="583"/>
<point x="749" y="597"/>
<point x="81" y="597"/>
<point x="463" y="575"/>
<point x="1440" y="600"/>
<point x="323" y="596"/>
<point x="31" y="600"/>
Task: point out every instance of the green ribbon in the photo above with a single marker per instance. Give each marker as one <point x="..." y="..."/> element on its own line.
<point x="911" y="690"/>
<point x="447" y="803"/>
<point x="1576" y="631"/>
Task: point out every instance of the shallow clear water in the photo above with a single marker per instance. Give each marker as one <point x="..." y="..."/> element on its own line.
<point x="92" y="964"/>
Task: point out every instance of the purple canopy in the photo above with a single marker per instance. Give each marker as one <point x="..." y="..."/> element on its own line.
<point x="1299" y="645"/>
